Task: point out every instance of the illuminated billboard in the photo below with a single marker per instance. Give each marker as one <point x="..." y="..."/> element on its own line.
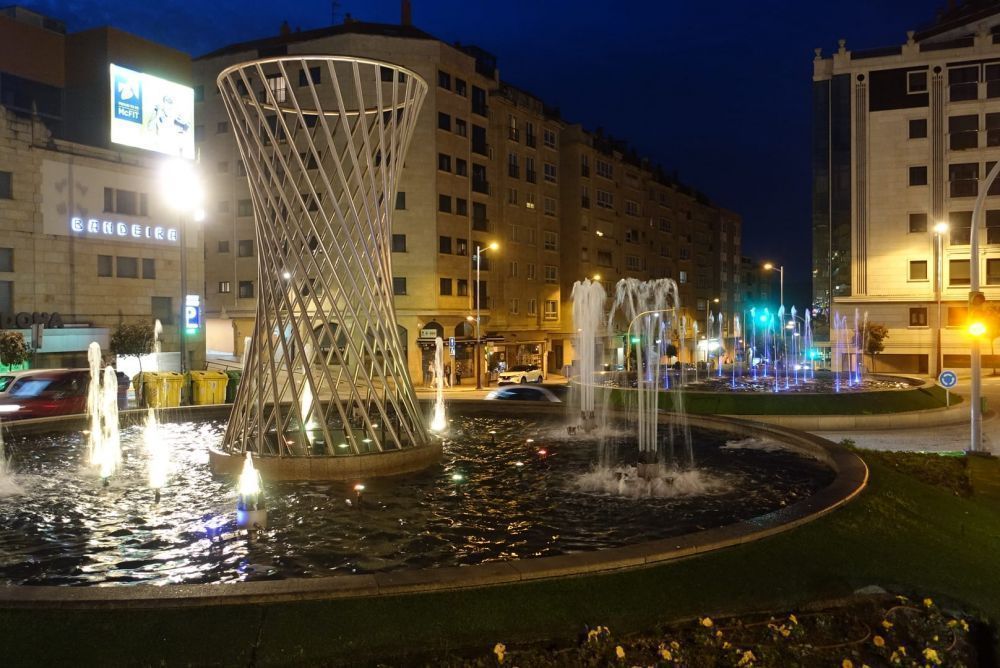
<point x="151" y="113"/>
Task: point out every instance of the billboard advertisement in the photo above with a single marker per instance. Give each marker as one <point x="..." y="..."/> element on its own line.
<point x="151" y="113"/>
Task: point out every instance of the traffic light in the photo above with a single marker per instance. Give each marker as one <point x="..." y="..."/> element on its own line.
<point x="976" y="323"/>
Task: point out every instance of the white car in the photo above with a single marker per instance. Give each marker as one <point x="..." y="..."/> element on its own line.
<point x="522" y="373"/>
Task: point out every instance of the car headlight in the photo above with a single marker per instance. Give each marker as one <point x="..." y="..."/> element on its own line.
<point x="10" y="408"/>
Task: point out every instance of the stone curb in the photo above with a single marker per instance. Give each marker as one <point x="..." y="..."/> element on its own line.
<point x="851" y="478"/>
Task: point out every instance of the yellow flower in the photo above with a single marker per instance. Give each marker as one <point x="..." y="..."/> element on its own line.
<point x="665" y="653"/>
<point x="706" y="622"/>
<point x="895" y="658"/>
<point x="879" y="641"/>
<point x="500" y="650"/>
<point x="785" y="631"/>
<point x="886" y="624"/>
<point x="726" y="645"/>
<point x="747" y="659"/>
<point x="901" y="650"/>
<point x="928" y="603"/>
<point x="674" y="644"/>
<point x="718" y="634"/>
<point x="932" y="656"/>
<point x="592" y="635"/>
<point x="965" y="625"/>
<point x="793" y="619"/>
<point x="620" y="653"/>
<point x="846" y="663"/>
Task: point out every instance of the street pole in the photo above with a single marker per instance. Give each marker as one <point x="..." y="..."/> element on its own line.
<point x="479" y="298"/>
<point x="781" y="286"/>
<point x="939" y="230"/>
<point x="182" y="224"/>
<point x="974" y="357"/>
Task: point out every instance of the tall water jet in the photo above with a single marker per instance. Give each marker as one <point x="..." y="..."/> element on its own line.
<point x="8" y="485"/>
<point x="157" y="331"/>
<point x="251" y="511"/>
<point x="158" y="451"/>
<point x="439" y="422"/>
<point x="588" y="313"/>
<point x="103" y="440"/>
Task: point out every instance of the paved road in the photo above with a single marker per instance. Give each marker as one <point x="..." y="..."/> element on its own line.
<point x="936" y="439"/>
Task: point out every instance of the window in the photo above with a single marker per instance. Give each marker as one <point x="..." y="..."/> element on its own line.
<point x="244" y="247"/>
<point x="963" y="83"/>
<point x="993" y="129"/>
<point x="461" y="207"/>
<point x="445" y="287"/>
<point x="223" y="247"/>
<point x="963" y="179"/>
<point x="551" y="309"/>
<point x="549" y="138"/>
<point x="401" y="200"/>
<point x="162" y="309"/>
<point x="529" y="200"/>
<point x="918" y="316"/>
<point x="462" y="287"/>
<point x="918" y="128"/>
<point x="444" y="162"/>
<point x="461" y="127"/>
<point x="511" y="195"/>
<point x="127" y="267"/>
<point x="277" y="85"/>
<point x="444" y="80"/>
<point x="551" y="274"/>
<point x="683" y="277"/>
<point x="963" y="132"/>
<point x="664" y="225"/>
<point x="631" y="207"/>
<point x="549" y="172"/>
<point x="479" y="101"/>
<point x="916" y="82"/>
<point x="479" y="219"/>
<point x="512" y="307"/>
<point x="513" y="170"/>
<point x="461" y="87"/>
<point x="604" y="258"/>
<point x="104" y="265"/>
<point x="584" y="197"/>
<point x="512" y="132"/>
<point x="957" y="316"/>
<point x="529" y="271"/>
<point x="606" y="200"/>
<point x="513" y="269"/>
<point x="918" y="223"/>
<point x="992" y="271"/>
<point x="550" y="240"/>
<point x="245" y="289"/>
<point x="224" y="287"/>
<point x="530" y="175"/>
<point x="243" y="208"/>
<point x="444" y="245"/>
<point x="444" y="121"/>
<point x="918" y="175"/>
<point x="959" y="227"/>
<point x="148" y="267"/>
<point x="7" y="259"/>
<point x="479" y="144"/>
<point x="584" y="165"/>
<point x="461" y="247"/>
<point x="7" y="185"/>
<point x="632" y="262"/>
<point x="958" y="272"/>
<point x="605" y="169"/>
<point x="444" y="203"/>
<point x="399" y="243"/>
<point x="549" y="206"/>
<point x="313" y="73"/>
<point x="992" y="72"/>
<point x="461" y="167"/>
<point x="529" y="134"/>
<point x="992" y="226"/>
<point x="532" y="307"/>
<point x="918" y="270"/>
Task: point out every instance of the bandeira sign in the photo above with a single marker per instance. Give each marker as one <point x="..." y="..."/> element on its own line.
<point x="151" y="113"/>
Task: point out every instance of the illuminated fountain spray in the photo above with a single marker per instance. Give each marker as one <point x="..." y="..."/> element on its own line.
<point x="8" y="485"/>
<point x="104" y="442"/>
<point x="158" y="451"/>
<point x="588" y="314"/>
<point x="250" y="508"/>
<point x="439" y="422"/>
<point x="157" y="331"/>
<point x="737" y="334"/>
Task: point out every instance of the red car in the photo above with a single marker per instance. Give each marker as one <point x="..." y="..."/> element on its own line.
<point x="46" y="393"/>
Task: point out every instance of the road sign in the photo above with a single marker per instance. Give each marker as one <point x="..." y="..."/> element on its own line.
<point x="947" y="379"/>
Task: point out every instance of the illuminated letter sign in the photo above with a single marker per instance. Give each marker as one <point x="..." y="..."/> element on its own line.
<point x="192" y="313"/>
<point x="108" y="228"/>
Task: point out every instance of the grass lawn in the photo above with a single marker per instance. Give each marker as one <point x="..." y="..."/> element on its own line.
<point x="915" y="531"/>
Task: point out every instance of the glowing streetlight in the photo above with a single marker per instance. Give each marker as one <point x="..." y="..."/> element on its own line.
<point x="781" y="284"/>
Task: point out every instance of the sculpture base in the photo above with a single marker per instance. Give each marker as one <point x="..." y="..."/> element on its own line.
<point x="319" y="467"/>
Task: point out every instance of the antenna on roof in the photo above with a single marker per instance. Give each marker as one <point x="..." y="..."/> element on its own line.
<point x="334" y="6"/>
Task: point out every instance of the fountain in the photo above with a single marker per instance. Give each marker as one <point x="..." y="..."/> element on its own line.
<point x="102" y="409"/>
<point x="8" y="484"/>
<point x="158" y="453"/>
<point x="588" y="314"/>
<point x="439" y="422"/>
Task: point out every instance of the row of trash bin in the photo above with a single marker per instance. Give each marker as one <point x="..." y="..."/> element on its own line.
<point x="164" y="389"/>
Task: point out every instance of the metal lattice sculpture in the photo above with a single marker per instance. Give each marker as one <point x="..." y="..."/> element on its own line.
<point x="323" y="139"/>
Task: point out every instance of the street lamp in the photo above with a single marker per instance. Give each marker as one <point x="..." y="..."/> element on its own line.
<point x="479" y="300"/>
<point x="781" y="284"/>
<point x="940" y="229"/>
<point x="182" y="190"/>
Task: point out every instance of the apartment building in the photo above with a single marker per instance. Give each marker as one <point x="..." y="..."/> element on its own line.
<point x="86" y="240"/>
<point x="489" y="164"/>
<point x="904" y="135"/>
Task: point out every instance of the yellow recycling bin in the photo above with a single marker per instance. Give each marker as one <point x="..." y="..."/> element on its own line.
<point x="159" y="389"/>
<point x="208" y="387"/>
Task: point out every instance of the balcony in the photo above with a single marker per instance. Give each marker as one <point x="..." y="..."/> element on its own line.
<point x="531" y="175"/>
<point x="513" y="134"/>
<point x="481" y="224"/>
<point x="481" y="186"/>
<point x="584" y="171"/>
<point x="531" y="140"/>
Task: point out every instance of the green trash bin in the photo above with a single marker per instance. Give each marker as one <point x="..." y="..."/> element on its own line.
<point x="208" y="387"/>
<point x="234" y="376"/>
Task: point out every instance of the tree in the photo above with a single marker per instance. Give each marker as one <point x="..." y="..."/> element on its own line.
<point x="875" y="341"/>
<point x="13" y="349"/>
<point x="135" y="341"/>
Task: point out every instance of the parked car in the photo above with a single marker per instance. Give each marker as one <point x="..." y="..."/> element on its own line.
<point x="521" y="373"/>
<point x="523" y="393"/>
<point x="44" y="393"/>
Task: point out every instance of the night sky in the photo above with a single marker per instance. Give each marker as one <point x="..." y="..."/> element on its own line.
<point x="718" y="91"/>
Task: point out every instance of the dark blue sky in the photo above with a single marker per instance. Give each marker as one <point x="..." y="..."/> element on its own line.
<point x="717" y="90"/>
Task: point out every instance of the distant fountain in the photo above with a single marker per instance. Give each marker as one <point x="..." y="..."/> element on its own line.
<point x="439" y="422"/>
<point x="103" y="440"/>
<point x="588" y="314"/>
<point x="157" y="332"/>
<point x="8" y="484"/>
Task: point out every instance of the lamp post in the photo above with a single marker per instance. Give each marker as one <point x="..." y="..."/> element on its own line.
<point x="781" y="281"/>
<point x="940" y="229"/>
<point x="976" y="296"/>
<point x="182" y="190"/>
<point x="479" y="299"/>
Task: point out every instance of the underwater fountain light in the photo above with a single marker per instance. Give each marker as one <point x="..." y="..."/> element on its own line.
<point x="250" y="510"/>
<point x="518" y="464"/>
<point x="457" y="477"/>
<point x="542" y="452"/>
